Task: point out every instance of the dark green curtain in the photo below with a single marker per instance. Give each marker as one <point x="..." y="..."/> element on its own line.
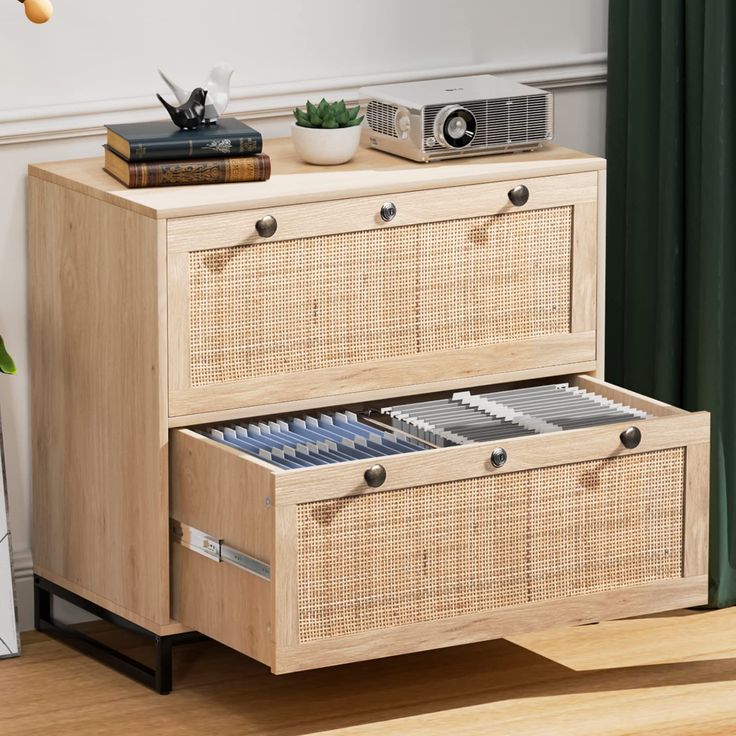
<point x="671" y="262"/>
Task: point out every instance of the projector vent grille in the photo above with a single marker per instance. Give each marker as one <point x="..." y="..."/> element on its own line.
<point x="380" y="118"/>
<point x="502" y="121"/>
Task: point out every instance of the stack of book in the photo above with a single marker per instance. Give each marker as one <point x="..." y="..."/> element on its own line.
<point x="158" y="154"/>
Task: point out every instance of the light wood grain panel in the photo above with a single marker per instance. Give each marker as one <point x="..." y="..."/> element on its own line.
<point x="472" y="461"/>
<point x="627" y="397"/>
<point x="662" y="595"/>
<point x="363" y="213"/>
<point x="213" y="490"/>
<point x="600" y="351"/>
<point x="223" y="602"/>
<point x="369" y="173"/>
<point x="285" y="581"/>
<point x="162" y="512"/>
<point x="219" y="494"/>
<point x="209" y="453"/>
<point x="178" y="358"/>
<point x="338" y="400"/>
<point x="584" y="274"/>
<point x="172" y="627"/>
<point x="472" y="366"/>
<point x="697" y="504"/>
<point x="99" y="419"/>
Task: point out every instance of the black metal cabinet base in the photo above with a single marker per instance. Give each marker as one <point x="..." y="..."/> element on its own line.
<point x="158" y="677"/>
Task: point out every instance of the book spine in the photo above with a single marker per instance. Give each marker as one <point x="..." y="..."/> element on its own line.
<point x="216" y="171"/>
<point x="242" y="145"/>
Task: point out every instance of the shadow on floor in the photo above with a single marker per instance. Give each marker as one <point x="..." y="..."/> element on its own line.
<point x="218" y="689"/>
<point x="409" y="685"/>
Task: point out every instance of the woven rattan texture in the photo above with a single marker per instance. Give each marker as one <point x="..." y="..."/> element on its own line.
<point x="606" y="524"/>
<point x="439" y="551"/>
<point x="494" y="279"/>
<point x="298" y="305"/>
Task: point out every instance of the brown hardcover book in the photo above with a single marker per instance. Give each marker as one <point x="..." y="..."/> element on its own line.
<point x="136" y="175"/>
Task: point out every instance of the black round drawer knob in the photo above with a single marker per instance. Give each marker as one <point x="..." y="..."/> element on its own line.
<point x="499" y="457"/>
<point x="631" y="437"/>
<point x="519" y="195"/>
<point x="266" y="226"/>
<point x="388" y="211"/>
<point x="375" y="476"/>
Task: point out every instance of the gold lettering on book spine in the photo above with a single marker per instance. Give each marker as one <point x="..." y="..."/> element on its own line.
<point x="210" y="172"/>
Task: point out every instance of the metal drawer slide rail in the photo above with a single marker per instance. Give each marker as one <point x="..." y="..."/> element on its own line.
<point x="209" y="546"/>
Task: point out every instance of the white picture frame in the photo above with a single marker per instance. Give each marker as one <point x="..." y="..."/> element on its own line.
<point x="9" y="635"/>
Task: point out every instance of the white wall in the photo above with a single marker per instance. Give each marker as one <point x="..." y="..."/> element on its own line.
<point x="96" y="62"/>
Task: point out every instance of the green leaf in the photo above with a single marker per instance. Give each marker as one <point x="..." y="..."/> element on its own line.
<point x="357" y="121"/>
<point x="6" y="362"/>
<point x="342" y="117"/>
<point x="329" y="121"/>
<point x="302" y="118"/>
<point x="327" y="115"/>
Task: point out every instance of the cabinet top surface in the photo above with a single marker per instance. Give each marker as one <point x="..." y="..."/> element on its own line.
<point x="292" y="181"/>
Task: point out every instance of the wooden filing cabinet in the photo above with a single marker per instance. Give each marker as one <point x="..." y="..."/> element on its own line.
<point x="157" y="310"/>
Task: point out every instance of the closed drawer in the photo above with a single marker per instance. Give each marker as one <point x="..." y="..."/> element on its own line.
<point x="448" y="549"/>
<point x="461" y="284"/>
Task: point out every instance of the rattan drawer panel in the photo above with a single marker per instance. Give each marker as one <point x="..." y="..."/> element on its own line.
<point x="337" y="300"/>
<point x="606" y="524"/>
<point x="449" y="549"/>
<point x="418" y="554"/>
<point x="286" y="307"/>
<point x="494" y="279"/>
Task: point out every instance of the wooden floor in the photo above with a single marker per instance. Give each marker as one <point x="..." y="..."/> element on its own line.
<point x="668" y="674"/>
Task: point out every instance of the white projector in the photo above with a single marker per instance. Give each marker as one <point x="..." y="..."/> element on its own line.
<point x="452" y="118"/>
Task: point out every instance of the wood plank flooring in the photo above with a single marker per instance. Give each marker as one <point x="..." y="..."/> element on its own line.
<point x="671" y="674"/>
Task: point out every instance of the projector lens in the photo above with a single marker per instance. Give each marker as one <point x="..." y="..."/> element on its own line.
<point x="455" y="126"/>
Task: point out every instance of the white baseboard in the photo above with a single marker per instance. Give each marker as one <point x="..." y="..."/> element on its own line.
<point x="81" y="119"/>
<point x="23" y="570"/>
<point x="23" y="573"/>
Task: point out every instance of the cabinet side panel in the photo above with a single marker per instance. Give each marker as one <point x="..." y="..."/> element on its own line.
<point x="100" y="464"/>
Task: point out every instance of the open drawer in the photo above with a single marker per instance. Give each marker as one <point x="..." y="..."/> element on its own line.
<point x="302" y="568"/>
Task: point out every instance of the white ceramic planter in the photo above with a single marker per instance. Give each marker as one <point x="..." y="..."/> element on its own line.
<point x="326" y="146"/>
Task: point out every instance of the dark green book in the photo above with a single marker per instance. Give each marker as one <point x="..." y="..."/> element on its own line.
<point x="162" y="140"/>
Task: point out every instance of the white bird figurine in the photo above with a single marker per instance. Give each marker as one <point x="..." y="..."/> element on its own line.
<point x="217" y="85"/>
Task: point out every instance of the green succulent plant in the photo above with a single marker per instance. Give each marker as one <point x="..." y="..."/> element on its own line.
<point x="6" y="362"/>
<point x="328" y="115"/>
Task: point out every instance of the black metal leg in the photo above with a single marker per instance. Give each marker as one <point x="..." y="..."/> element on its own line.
<point x="163" y="665"/>
<point x="158" y="677"/>
<point x="41" y="606"/>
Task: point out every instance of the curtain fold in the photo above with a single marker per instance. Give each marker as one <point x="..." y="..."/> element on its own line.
<point x="671" y="240"/>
